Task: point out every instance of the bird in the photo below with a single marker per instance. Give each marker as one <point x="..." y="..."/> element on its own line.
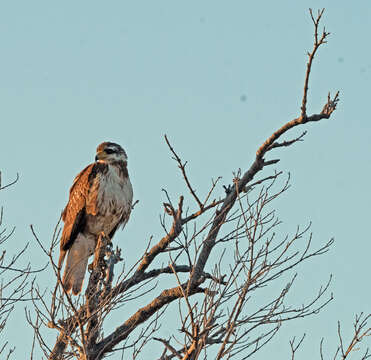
<point x="100" y="201"/>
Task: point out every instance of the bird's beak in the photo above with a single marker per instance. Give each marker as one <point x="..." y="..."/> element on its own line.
<point x="100" y="156"/>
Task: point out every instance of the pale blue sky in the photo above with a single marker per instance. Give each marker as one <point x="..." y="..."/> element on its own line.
<point x="74" y="74"/>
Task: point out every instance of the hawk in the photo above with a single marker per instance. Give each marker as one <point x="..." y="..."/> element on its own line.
<point x="100" y="201"/>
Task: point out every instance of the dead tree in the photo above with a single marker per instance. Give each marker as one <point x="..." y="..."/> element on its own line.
<point x="221" y="310"/>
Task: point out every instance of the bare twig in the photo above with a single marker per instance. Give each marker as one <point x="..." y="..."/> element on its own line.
<point x="182" y="166"/>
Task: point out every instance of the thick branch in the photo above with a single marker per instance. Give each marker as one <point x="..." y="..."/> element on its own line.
<point x="92" y="293"/>
<point x="123" y="331"/>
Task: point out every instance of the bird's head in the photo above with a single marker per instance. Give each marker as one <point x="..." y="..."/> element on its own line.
<point x="110" y="152"/>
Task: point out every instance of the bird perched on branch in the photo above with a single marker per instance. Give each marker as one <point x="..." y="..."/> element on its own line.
<point x="100" y="202"/>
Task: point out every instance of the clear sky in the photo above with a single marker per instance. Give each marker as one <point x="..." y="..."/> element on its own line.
<point x="216" y="76"/>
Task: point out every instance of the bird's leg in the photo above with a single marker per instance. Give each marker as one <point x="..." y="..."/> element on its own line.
<point x="113" y="257"/>
<point x="106" y="238"/>
<point x="103" y="242"/>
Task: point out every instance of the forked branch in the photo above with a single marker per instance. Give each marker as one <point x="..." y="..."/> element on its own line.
<point x="317" y="43"/>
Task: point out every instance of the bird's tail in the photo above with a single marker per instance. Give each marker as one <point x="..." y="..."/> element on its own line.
<point x="77" y="260"/>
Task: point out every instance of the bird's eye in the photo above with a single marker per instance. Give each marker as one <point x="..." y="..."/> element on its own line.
<point x="109" y="151"/>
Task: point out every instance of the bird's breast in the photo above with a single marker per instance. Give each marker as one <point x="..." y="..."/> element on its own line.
<point x="115" y="193"/>
<point x="114" y="200"/>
